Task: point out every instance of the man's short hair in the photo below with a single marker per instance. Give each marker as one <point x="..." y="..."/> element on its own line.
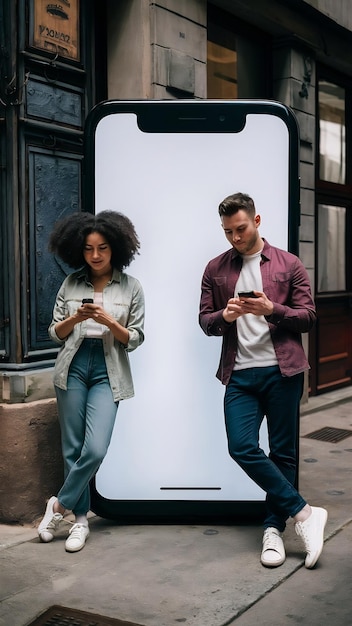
<point x="236" y="202"/>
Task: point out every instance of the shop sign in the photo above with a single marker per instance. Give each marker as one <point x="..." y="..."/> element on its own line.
<point x="56" y="27"/>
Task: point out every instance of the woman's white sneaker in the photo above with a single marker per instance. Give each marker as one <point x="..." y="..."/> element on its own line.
<point x="49" y="525"/>
<point x="77" y="537"/>
<point x="273" y="552"/>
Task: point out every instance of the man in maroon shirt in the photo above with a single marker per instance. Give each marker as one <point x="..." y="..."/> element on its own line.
<point x="258" y="299"/>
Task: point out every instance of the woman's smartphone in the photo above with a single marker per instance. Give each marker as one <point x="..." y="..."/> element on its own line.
<point x="87" y="301"/>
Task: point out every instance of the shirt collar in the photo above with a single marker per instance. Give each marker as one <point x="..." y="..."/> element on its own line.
<point x="83" y="273"/>
<point x="266" y="251"/>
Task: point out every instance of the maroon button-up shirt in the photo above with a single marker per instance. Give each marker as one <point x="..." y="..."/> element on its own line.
<point x="285" y="283"/>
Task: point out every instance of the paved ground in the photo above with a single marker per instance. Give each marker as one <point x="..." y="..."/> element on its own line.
<point x="198" y="575"/>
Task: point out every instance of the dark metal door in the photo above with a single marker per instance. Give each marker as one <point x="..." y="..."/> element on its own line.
<point x="48" y="64"/>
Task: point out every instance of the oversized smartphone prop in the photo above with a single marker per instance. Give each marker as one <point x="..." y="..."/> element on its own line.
<point x="167" y="165"/>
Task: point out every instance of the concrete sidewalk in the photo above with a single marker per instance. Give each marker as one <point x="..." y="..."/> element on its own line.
<point x="198" y="575"/>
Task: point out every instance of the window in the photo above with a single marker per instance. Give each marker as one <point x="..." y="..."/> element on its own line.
<point x="221" y="71"/>
<point x="238" y="58"/>
<point x="333" y="184"/>
<point x="331" y="248"/>
<point x="332" y="133"/>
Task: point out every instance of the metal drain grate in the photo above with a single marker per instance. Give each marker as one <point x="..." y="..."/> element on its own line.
<point x="332" y="435"/>
<point x="63" y="616"/>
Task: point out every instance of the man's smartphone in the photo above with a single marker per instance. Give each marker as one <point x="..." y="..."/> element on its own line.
<point x="87" y="301"/>
<point x="247" y="294"/>
<point x="187" y="156"/>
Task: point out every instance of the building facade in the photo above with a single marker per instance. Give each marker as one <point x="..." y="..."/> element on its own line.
<point x="57" y="60"/>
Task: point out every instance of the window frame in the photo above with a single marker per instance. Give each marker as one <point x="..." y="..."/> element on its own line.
<point x="330" y="193"/>
<point x="336" y="189"/>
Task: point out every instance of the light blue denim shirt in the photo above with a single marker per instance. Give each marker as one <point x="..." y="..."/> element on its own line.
<point x="123" y="298"/>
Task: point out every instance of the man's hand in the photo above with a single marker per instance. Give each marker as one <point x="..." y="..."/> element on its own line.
<point x="233" y="310"/>
<point x="260" y="305"/>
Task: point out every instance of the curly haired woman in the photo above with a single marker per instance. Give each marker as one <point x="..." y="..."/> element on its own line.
<point x="98" y="318"/>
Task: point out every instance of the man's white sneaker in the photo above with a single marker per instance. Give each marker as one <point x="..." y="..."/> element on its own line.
<point x="273" y="552"/>
<point x="49" y="525"/>
<point x="77" y="537"/>
<point x="312" y="533"/>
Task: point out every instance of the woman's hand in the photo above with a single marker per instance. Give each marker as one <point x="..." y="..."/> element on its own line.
<point x="99" y="315"/>
<point x="95" y="312"/>
<point x="64" y="328"/>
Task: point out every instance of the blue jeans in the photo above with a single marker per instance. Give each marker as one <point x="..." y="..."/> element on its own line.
<point x="250" y="395"/>
<point x="87" y="413"/>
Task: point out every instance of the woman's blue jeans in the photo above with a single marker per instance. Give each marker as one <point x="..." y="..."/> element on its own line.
<point x="87" y="413"/>
<point x="250" y="395"/>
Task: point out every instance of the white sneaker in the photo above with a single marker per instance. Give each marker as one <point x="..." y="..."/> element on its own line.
<point x="312" y="533"/>
<point x="273" y="552"/>
<point x="77" y="537"/>
<point x="50" y="522"/>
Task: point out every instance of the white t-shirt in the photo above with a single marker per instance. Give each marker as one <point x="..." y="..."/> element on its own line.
<point x="255" y="347"/>
<point x="93" y="329"/>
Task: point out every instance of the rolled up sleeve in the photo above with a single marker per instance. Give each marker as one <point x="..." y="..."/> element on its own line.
<point x="135" y="324"/>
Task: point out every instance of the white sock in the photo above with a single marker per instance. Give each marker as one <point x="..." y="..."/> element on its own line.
<point x="81" y="519"/>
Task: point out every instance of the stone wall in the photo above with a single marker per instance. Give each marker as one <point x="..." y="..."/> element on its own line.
<point x="157" y="50"/>
<point x="31" y="468"/>
<point x="340" y="12"/>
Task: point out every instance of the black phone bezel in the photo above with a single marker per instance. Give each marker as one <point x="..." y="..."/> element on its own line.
<point x="190" y="116"/>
